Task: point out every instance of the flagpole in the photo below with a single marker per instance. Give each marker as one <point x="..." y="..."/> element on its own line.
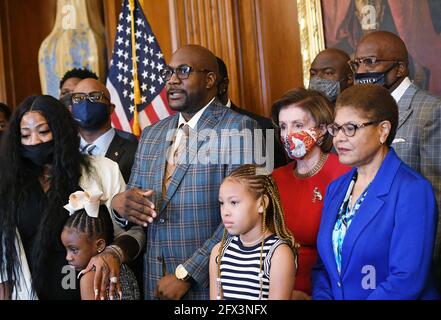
<point x="136" y="91"/>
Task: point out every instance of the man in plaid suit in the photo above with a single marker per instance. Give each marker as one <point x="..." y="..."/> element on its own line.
<point x="183" y="219"/>
<point x="418" y="139"/>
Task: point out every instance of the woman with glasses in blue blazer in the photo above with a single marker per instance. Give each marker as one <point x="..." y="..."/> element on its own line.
<point x="379" y="220"/>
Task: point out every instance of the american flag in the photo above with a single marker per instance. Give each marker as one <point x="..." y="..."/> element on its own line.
<point x="150" y="60"/>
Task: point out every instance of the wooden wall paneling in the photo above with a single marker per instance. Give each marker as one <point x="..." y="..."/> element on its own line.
<point x="210" y="23"/>
<point x="253" y="88"/>
<point x="28" y="24"/>
<point x="280" y="49"/>
<point x="229" y="39"/>
<point x="217" y="24"/>
<point x="6" y="74"/>
<point x="179" y="19"/>
<point x="158" y="15"/>
<point x="112" y="9"/>
<point x="2" y="71"/>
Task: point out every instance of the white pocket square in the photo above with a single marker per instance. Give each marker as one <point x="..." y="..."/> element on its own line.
<point x="398" y="140"/>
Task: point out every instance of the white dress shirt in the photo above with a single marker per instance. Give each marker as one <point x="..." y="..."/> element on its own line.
<point x="192" y="123"/>
<point x="399" y="91"/>
<point x="101" y="144"/>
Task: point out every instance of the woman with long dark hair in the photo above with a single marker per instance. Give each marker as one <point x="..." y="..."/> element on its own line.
<point x="40" y="166"/>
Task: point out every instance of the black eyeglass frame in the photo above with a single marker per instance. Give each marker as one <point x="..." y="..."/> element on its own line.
<point x="182" y="72"/>
<point x="343" y="127"/>
<point x="77" y="97"/>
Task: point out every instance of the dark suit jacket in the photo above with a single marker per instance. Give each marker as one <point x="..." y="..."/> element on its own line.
<point x="265" y="123"/>
<point x="122" y="150"/>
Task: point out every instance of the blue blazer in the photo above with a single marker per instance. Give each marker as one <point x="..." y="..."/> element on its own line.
<point x="387" y="251"/>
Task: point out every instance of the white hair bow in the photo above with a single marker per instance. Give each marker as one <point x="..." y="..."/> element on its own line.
<point x="88" y="200"/>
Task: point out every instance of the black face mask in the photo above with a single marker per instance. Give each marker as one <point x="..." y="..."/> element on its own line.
<point x="374" y="77"/>
<point x="40" y="154"/>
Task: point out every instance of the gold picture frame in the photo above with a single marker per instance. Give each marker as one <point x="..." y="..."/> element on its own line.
<point x="312" y="40"/>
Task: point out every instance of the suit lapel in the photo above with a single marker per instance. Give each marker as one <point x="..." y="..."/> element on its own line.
<point x="208" y="120"/>
<point x="405" y="105"/>
<point x="115" y="150"/>
<point x="371" y="205"/>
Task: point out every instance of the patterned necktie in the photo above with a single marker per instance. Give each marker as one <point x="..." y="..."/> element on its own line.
<point x="178" y="150"/>
<point x="89" y="148"/>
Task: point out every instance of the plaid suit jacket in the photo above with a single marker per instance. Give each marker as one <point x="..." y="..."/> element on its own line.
<point x="189" y="222"/>
<point x="418" y="139"/>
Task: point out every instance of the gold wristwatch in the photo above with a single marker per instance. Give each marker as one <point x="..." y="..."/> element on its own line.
<point x="181" y="273"/>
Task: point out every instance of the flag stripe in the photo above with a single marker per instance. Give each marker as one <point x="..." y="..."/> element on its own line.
<point x="119" y="118"/>
<point x="159" y="106"/>
<point x="144" y="120"/>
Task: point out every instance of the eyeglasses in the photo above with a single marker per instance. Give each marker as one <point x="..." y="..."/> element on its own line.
<point x="182" y="72"/>
<point x="368" y="62"/>
<point x="349" y="129"/>
<point x="94" y="96"/>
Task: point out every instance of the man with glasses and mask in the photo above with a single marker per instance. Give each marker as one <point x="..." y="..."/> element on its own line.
<point x="70" y="79"/>
<point x="330" y="73"/>
<point x="176" y="197"/>
<point x="381" y="58"/>
<point x="91" y="109"/>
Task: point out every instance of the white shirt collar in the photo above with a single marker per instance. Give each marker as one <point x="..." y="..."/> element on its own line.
<point x="194" y="120"/>
<point x="399" y="91"/>
<point x="102" y="143"/>
<point x="228" y="105"/>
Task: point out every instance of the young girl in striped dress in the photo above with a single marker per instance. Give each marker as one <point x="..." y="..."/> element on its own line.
<point x="256" y="258"/>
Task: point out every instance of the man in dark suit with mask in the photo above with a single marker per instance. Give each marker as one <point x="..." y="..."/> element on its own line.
<point x="280" y="158"/>
<point x="92" y="108"/>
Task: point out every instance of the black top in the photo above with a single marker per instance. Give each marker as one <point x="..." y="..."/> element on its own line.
<point x="122" y="150"/>
<point x="29" y="217"/>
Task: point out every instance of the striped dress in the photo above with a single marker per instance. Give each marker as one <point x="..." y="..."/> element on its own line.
<point x="240" y="265"/>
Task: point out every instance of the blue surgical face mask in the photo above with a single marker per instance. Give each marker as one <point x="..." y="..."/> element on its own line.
<point x="90" y="115"/>
<point x="330" y="88"/>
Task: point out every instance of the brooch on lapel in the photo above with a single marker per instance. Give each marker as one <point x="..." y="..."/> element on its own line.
<point x="116" y="154"/>
<point x="316" y="195"/>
